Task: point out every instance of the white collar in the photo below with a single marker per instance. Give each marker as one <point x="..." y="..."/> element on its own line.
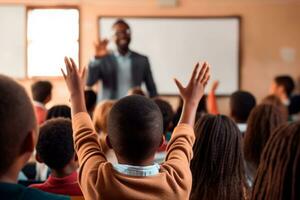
<point x="117" y="54"/>
<point x="242" y="127"/>
<point x="132" y="170"/>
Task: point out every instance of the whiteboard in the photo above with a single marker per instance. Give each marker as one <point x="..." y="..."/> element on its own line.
<point x="12" y="41"/>
<point x="174" y="45"/>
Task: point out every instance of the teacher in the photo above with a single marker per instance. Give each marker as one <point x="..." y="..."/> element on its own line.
<point x="120" y="69"/>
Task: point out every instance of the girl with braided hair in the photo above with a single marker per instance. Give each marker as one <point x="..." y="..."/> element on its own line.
<point x="278" y="175"/>
<point x="263" y="120"/>
<point x="217" y="167"/>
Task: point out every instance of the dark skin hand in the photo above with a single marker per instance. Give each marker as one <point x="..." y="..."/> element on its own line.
<point x="122" y="38"/>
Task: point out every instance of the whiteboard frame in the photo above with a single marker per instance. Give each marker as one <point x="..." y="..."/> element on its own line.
<point x="237" y="17"/>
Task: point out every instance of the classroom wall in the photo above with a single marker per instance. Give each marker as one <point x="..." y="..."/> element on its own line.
<point x="270" y="34"/>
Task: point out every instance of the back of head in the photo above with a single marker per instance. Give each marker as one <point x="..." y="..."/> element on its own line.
<point x="17" y="121"/>
<point x="241" y="104"/>
<point x="217" y="165"/>
<point x="90" y="100"/>
<point x="286" y="82"/>
<point x="135" y="128"/>
<point x="263" y="120"/>
<point x="55" y="143"/>
<point x="41" y="90"/>
<point x="279" y="169"/>
<point x="275" y="100"/>
<point x="100" y="116"/>
<point x="166" y="111"/>
<point x="59" y="111"/>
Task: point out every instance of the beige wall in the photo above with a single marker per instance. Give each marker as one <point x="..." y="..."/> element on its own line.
<point x="267" y="26"/>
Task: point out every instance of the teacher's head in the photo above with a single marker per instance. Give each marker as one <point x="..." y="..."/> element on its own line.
<point x="122" y="35"/>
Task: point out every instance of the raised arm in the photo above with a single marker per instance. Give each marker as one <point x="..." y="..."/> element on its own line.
<point x="74" y="81"/>
<point x="192" y="93"/>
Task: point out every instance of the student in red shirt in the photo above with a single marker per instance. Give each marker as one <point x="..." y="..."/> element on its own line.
<point x="55" y="148"/>
<point x="41" y="94"/>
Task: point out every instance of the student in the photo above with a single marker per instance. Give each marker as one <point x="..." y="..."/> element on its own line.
<point x="17" y="140"/>
<point x="135" y="132"/>
<point x="263" y="120"/>
<point x="41" y="94"/>
<point x="167" y="113"/>
<point x="90" y="101"/>
<point x="59" y="111"/>
<point x="100" y="119"/>
<point x="241" y="104"/>
<point x="218" y="166"/>
<point x="283" y="87"/>
<point x="274" y="100"/>
<point x="55" y="149"/>
<point x="278" y="176"/>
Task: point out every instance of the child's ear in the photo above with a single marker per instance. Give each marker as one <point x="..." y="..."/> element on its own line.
<point x="38" y="158"/>
<point x="107" y="140"/>
<point x="163" y="139"/>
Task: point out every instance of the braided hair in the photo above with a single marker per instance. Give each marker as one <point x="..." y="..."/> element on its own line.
<point x="217" y="167"/>
<point x="278" y="174"/>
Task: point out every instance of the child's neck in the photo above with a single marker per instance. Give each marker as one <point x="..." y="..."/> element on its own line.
<point x="146" y="162"/>
<point x="66" y="171"/>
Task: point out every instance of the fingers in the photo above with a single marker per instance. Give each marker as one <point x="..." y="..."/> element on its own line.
<point x="194" y="74"/>
<point x="178" y="84"/>
<point x="74" y="65"/>
<point x="202" y="71"/>
<point x="68" y="65"/>
<point x="205" y="75"/>
<point x="63" y="73"/>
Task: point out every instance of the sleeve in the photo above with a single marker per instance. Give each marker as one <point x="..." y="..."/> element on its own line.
<point x="212" y="104"/>
<point x="180" y="147"/>
<point x="179" y="155"/>
<point x="94" y="72"/>
<point x="149" y="80"/>
<point x="89" y="152"/>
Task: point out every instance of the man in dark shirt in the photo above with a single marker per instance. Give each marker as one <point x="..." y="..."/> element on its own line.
<point x="121" y="69"/>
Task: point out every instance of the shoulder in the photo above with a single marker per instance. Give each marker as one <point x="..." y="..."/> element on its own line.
<point x="138" y="55"/>
<point x="32" y="194"/>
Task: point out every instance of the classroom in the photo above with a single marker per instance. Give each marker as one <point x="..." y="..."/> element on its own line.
<point x="150" y="99"/>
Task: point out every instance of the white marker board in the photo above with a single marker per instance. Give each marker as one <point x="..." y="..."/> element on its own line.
<point x="174" y="45"/>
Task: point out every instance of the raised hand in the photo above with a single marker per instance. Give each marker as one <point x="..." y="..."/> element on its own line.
<point x="193" y="92"/>
<point x="74" y="80"/>
<point x="101" y="48"/>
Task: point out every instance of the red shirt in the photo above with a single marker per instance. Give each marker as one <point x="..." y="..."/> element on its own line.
<point x="66" y="186"/>
<point x="40" y="112"/>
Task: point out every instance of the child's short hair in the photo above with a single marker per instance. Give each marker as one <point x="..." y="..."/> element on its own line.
<point x="263" y="120"/>
<point x="41" y="90"/>
<point x="241" y="104"/>
<point x="135" y="128"/>
<point x="90" y="100"/>
<point x="17" y="120"/>
<point x="55" y="143"/>
<point x="100" y="116"/>
<point x="218" y="163"/>
<point x="167" y="113"/>
<point x="286" y="82"/>
<point x="59" y="111"/>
